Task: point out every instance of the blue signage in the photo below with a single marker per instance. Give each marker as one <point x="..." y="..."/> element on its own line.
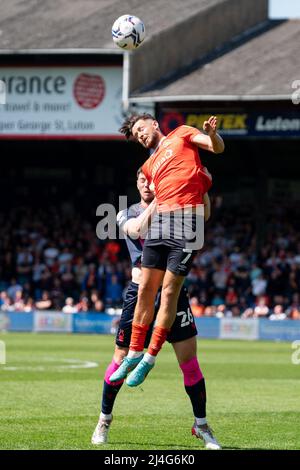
<point x="97" y="323"/>
<point x="280" y="330"/>
<point x="208" y="327"/>
<point x="16" y="321"/>
<point x="92" y="323"/>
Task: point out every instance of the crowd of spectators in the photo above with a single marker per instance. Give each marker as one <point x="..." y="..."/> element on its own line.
<point x="52" y="260"/>
<point x="238" y="275"/>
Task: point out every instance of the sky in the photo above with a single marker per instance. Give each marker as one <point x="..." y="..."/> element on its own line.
<point x="284" y="9"/>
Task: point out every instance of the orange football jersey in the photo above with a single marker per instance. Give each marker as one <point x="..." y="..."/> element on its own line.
<point x="176" y="170"/>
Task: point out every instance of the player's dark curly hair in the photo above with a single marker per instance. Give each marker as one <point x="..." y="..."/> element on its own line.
<point x="130" y="121"/>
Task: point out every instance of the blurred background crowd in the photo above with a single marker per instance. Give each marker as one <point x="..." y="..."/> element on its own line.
<point x="52" y="260"/>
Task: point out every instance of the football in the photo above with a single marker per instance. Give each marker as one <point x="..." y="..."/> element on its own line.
<point x="128" y="32"/>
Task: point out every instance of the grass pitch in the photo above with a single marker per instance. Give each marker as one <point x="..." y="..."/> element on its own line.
<point x="50" y="392"/>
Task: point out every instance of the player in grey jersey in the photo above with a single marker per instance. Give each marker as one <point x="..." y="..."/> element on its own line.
<point x="134" y="222"/>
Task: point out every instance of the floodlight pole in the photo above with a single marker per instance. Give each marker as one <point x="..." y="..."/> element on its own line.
<point x="126" y="82"/>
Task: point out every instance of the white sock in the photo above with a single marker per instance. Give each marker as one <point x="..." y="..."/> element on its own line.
<point x="105" y="417"/>
<point x="149" y="358"/>
<point x="200" y="421"/>
<point x="134" y="354"/>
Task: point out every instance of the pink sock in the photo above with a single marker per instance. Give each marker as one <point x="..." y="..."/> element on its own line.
<point x="191" y="372"/>
<point x="113" y="366"/>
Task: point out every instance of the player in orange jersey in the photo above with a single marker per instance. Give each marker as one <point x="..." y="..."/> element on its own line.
<point x="176" y="234"/>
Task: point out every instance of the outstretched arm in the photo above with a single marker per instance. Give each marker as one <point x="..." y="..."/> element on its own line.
<point x="211" y="141"/>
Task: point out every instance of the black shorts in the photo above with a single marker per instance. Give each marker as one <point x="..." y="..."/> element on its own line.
<point x="169" y="256"/>
<point x="172" y="244"/>
<point x="183" y="327"/>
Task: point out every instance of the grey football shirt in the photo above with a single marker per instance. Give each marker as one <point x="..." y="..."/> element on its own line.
<point x="135" y="246"/>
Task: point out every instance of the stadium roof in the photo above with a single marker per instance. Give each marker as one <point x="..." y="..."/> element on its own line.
<point x="233" y="51"/>
<point x="262" y="66"/>
<point x="50" y="24"/>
